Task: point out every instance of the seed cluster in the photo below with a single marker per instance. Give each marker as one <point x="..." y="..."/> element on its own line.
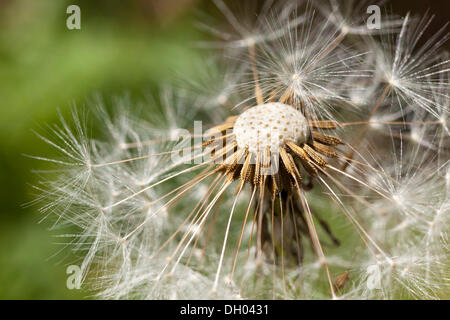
<point x="270" y="125"/>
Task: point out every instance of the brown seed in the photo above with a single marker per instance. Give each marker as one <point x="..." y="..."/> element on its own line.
<point x="341" y="280"/>
<point x="325" y="150"/>
<point x="315" y="156"/>
<point x="326" y="139"/>
<point x="324" y="124"/>
<point x="245" y="172"/>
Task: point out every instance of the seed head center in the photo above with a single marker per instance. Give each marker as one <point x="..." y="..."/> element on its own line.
<point x="270" y="125"/>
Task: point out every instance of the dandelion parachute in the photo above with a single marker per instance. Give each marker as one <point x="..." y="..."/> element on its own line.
<point x="331" y="155"/>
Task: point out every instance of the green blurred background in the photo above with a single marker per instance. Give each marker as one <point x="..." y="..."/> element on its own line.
<point x="123" y="48"/>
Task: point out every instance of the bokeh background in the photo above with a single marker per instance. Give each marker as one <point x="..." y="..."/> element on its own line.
<point x="124" y="48"/>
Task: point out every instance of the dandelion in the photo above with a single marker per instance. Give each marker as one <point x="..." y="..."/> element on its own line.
<point x="250" y="208"/>
<point x="410" y="71"/>
<point x="307" y="71"/>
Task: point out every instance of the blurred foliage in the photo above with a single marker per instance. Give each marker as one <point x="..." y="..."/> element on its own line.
<point x="121" y="49"/>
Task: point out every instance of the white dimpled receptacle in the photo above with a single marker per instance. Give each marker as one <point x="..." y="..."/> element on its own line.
<point x="270" y="125"/>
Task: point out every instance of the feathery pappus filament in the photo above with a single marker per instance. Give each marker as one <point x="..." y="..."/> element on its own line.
<point x="323" y="172"/>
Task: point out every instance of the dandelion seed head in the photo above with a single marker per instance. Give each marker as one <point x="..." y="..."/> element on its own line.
<point x="411" y="273"/>
<point x="394" y="82"/>
<point x="161" y="229"/>
<point x="415" y="136"/>
<point x="268" y="126"/>
<point x="375" y="123"/>
<point x="304" y="63"/>
<point x="413" y="72"/>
